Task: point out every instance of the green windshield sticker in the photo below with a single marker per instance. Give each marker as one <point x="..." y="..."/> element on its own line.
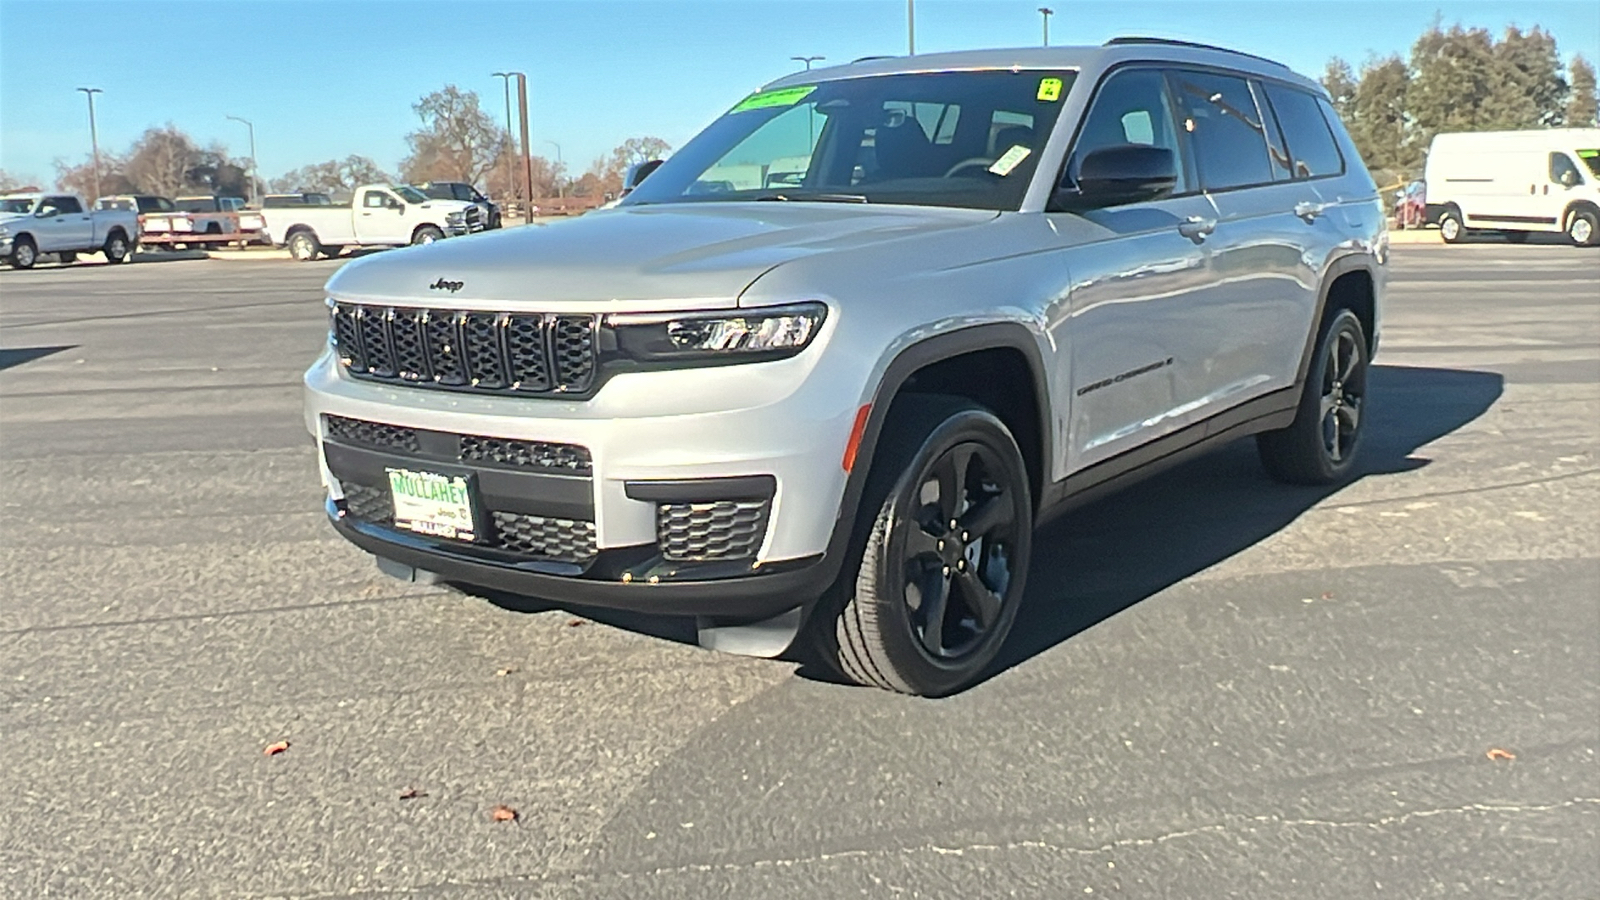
<point x="1050" y="89"/>
<point x="781" y="97"/>
<point x="1588" y="154"/>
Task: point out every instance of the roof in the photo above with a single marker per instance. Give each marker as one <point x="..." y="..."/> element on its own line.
<point x="1080" y="58"/>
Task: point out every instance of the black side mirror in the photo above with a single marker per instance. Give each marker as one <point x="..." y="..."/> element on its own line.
<point x="637" y="173"/>
<point x="1127" y="173"/>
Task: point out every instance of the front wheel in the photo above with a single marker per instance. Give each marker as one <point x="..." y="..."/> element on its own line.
<point x="66" y="258"/>
<point x="1583" y="228"/>
<point x="303" y="246"/>
<point x="1320" y="446"/>
<point x="427" y="234"/>
<point x="24" y="253"/>
<point x="943" y="568"/>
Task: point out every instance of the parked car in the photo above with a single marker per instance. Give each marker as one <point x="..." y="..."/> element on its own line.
<point x="1411" y="207"/>
<point x="31" y="224"/>
<point x="380" y="215"/>
<point x="140" y="203"/>
<point x="460" y="190"/>
<point x="307" y="198"/>
<point x="1516" y="183"/>
<point x="215" y="221"/>
<point x="832" y="413"/>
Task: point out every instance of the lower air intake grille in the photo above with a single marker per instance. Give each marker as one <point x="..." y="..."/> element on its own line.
<point x="722" y="530"/>
<point x="368" y="504"/>
<point x="564" y="540"/>
<point x="372" y="434"/>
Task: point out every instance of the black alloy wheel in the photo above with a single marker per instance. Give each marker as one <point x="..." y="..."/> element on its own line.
<point x="1320" y="446"/>
<point x="945" y="559"/>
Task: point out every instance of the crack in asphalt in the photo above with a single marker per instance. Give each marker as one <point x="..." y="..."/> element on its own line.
<point x="1460" y="492"/>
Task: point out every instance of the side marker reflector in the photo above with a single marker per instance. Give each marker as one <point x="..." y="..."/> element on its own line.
<point x="856" y="431"/>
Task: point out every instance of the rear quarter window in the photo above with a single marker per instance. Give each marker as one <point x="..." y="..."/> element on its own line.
<point x="1225" y="130"/>
<point x="1312" y="149"/>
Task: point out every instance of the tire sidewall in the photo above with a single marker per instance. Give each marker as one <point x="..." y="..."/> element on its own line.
<point x="427" y="235"/>
<point x="928" y="675"/>
<point x="113" y="242"/>
<point x="1591" y="220"/>
<point x="299" y="241"/>
<point x="24" y="254"/>
<point x="1311" y="400"/>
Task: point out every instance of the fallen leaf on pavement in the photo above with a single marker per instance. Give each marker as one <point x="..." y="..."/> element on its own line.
<point x="503" y="813"/>
<point x="275" y="748"/>
<point x="1497" y="753"/>
<point x="574" y="623"/>
<point x="501" y="673"/>
<point x="1327" y="595"/>
<point x="412" y="794"/>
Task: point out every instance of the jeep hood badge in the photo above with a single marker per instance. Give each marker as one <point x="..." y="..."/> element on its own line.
<point x="442" y="285"/>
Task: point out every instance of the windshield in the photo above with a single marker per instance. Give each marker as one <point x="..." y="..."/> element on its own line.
<point x="17" y="205"/>
<point x="409" y="193"/>
<point x="967" y="139"/>
<point x="1591" y="158"/>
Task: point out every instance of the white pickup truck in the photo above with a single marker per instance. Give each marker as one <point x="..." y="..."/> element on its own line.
<point x="379" y="215"/>
<point x="32" y="224"/>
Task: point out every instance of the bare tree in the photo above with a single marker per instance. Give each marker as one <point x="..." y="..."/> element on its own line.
<point x="80" y="179"/>
<point x="161" y="159"/>
<point x="458" y="140"/>
<point x="333" y="176"/>
<point x="611" y="169"/>
<point x="13" y="182"/>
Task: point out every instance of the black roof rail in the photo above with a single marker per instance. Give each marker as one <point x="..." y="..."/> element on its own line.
<point x="1173" y="42"/>
<point x="869" y="59"/>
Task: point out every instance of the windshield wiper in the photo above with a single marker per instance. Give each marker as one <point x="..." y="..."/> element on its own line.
<point x="819" y="198"/>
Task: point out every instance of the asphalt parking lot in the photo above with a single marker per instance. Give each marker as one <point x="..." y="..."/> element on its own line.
<point x="1219" y="687"/>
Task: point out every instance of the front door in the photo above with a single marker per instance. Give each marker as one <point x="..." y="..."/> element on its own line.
<point x="65" y="225"/>
<point x="380" y="219"/>
<point x="1135" y="270"/>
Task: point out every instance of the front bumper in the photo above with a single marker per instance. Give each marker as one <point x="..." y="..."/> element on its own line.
<point x="615" y="508"/>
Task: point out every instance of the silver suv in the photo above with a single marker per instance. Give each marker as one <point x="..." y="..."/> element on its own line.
<point x="816" y="380"/>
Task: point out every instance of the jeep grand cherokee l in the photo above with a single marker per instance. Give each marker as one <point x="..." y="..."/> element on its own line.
<point x="819" y="376"/>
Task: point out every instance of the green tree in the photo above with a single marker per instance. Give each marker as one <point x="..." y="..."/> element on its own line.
<point x="1581" y="109"/>
<point x="1340" y="82"/>
<point x="1529" y="87"/>
<point x="1378" y="121"/>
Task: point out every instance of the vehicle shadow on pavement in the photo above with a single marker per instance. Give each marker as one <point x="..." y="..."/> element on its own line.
<point x="16" y="356"/>
<point x="1105" y="557"/>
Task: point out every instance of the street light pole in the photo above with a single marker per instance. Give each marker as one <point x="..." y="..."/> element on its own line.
<point x="1045" y="13"/>
<point x="94" y="140"/>
<point x="911" y="27"/>
<point x="527" y="151"/>
<point x="511" y="172"/>
<point x="811" y="123"/>
<point x="255" y="169"/>
<point x="561" y="189"/>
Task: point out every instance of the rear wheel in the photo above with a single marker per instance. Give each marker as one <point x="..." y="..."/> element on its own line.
<point x="427" y="234"/>
<point x="1451" y="227"/>
<point x="1583" y="228"/>
<point x="116" y="248"/>
<point x="944" y="563"/>
<point x="1320" y="446"/>
<point x="303" y="246"/>
<point x="24" y="253"/>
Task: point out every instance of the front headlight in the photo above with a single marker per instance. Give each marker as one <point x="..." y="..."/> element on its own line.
<point x="4" y="232"/>
<point x="455" y="217"/>
<point x="728" y="336"/>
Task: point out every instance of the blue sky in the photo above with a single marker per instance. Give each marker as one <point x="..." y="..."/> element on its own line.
<point x="328" y="79"/>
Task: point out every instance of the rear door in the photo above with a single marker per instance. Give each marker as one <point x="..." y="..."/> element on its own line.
<point x="1246" y="332"/>
<point x="378" y="218"/>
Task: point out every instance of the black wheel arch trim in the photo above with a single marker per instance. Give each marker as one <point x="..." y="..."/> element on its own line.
<point x="1344" y="265"/>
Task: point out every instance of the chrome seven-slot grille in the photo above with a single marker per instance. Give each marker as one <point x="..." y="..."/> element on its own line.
<point x="520" y="353"/>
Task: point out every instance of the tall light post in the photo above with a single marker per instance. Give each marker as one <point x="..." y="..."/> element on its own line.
<point x="1045" y="13"/>
<point x="511" y="172"/>
<point x="561" y="189"/>
<point x="811" y="122"/>
<point x="94" y="140"/>
<point x="911" y="27"/>
<point x="527" y="151"/>
<point x="255" y="170"/>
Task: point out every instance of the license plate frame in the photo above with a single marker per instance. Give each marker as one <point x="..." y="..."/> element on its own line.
<point x="435" y="504"/>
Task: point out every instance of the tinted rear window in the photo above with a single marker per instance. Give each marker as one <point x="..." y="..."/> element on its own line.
<point x="1225" y="130"/>
<point x="1311" y="143"/>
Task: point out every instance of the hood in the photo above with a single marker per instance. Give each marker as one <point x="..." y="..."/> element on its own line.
<point x="445" y="205"/>
<point x="9" y="218"/>
<point x="633" y="258"/>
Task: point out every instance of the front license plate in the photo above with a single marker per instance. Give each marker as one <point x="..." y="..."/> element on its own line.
<point x="433" y="504"/>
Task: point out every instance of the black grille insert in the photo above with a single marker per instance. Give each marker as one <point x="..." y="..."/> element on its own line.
<point x="372" y="434"/>
<point x="483" y="351"/>
<point x="720" y="530"/>
<point x="525" y="454"/>
<point x="536" y="537"/>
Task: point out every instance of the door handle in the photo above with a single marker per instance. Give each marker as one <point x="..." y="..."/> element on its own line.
<point x="1196" y="228"/>
<point x="1309" y="211"/>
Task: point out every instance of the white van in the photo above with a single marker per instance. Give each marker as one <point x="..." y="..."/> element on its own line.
<point x="1516" y="182"/>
